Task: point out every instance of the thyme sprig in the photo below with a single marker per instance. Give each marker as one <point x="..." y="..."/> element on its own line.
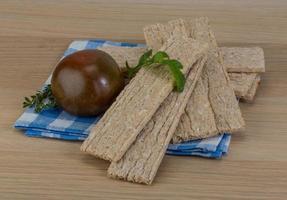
<point x="42" y="100"/>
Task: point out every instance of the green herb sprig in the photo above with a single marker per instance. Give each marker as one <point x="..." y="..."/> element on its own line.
<point x="160" y="58"/>
<point x="42" y="100"/>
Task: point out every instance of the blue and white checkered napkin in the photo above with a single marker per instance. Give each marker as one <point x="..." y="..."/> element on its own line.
<point x="56" y="123"/>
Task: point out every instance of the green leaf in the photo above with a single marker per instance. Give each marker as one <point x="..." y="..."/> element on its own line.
<point x="145" y="57"/>
<point x="158" y="59"/>
<point x="127" y="65"/>
<point x="175" y="63"/>
<point x="129" y="70"/>
<point x="177" y="75"/>
<point x="144" y="60"/>
<point x="160" y="56"/>
<point x="132" y="71"/>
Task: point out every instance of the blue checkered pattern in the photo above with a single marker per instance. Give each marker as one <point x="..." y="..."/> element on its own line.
<point x="56" y="123"/>
<point x="214" y="147"/>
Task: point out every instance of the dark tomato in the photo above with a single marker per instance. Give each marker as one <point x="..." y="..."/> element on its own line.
<point x="85" y="83"/>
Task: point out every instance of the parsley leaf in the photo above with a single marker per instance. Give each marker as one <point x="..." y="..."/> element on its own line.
<point x="176" y="73"/>
<point x="160" y="58"/>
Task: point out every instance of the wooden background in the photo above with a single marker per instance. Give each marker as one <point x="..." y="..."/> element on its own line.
<point x="33" y="36"/>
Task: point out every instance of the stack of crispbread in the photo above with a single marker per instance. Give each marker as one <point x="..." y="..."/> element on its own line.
<point x="138" y="102"/>
<point x="244" y="65"/>
<point x="135" y="131"/>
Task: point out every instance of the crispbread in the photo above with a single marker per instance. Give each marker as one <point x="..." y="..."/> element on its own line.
<point x="136" y="104"/>
<point x="157" y="34"/>
<point x="199" y="117"/>
<point x="123" y="54"/>
<point x="142" y="160"/>
<point x="249" y="97"/>
<point x="220" y="106"/>
<point x="242" y="82"/>
<point x="243" y="59"/>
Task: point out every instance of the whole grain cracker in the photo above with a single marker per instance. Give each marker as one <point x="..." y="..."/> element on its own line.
<point x="220" y="111"/>
<point x="142" y="160"/>
<point x="242" y="82"/>
<point x="249" y="97"/>
<point x="243" y="59"/>
<point x="128" y="115"/>
<point x="123" y="54"/>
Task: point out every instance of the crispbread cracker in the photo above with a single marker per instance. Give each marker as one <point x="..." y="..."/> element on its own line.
<point x="199" y="117"/>
<point x="123" y="54"/>
<point x="134" y="107"/>
<point x="249" y="97"/>
<point x="156" y="35"/>
<point x="219" y="111"/>
<point x="242" y="82"/>
<point x="243" y="59"/>
<point x="142" y="160"/>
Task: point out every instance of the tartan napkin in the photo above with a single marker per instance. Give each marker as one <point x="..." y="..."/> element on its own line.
<point x="56" y="123"/>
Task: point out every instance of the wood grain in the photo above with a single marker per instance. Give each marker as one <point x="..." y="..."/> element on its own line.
<point x="33" y="35"/>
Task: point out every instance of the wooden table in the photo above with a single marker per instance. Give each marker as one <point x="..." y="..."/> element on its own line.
<point x="33" y="36"/>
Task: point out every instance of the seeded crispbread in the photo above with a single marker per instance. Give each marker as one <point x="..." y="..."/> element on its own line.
<point x="136" y="104"/>
<point x="243" y="59"/>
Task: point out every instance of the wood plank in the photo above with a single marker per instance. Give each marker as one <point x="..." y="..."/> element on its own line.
<point x="124" y="20"/>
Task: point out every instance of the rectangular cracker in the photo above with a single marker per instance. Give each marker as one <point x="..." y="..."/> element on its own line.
<point x="213" y="107"/>
<point x="242" y="82"/>
<point x="243" y="59"/>
<point x="123" y="54"/>
<point x="198" y="120"/>
<point x="249" y="97"/>
<point x="156" y="35"/>
<point x="118" y="128"/>
<point x="142" y="160"/>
